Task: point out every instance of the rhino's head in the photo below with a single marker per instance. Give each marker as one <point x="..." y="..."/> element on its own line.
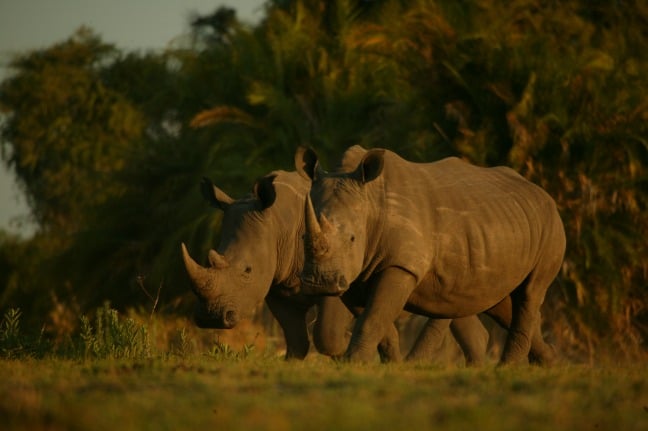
<point x="337" y="214"/>
<point x="240" y="273"/>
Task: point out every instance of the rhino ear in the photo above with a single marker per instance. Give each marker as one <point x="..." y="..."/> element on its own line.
<point x="370" y="166"/>
<point x="306" y="162"/>
<point x="264" y="191"/>
<point x="215" y="196"/>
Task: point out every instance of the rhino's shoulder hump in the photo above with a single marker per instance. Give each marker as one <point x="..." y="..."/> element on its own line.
<point x="351" y="158"/>
<point x="289" y="181"/>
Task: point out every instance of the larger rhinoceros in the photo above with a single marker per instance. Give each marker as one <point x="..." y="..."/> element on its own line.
<point x="444" y="239"/>
<point x="260" y="255"/>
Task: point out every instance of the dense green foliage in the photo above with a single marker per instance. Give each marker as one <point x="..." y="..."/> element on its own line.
<point x="110" y="146"/>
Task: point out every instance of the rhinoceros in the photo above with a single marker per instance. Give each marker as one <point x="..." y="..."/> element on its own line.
<point x="445" y="239"/>
<point x="260" y="255"/>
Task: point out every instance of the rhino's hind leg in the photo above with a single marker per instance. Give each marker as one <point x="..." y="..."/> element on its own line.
<point x="472" y="337"/>
<point x="429" y="340"/>
<point x="469" y="333"/>
<point x="523" y="322"/>
<point x="540" y="353"/>
<point x="525" y="317"/>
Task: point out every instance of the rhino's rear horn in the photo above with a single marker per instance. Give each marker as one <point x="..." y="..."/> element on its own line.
<point x="217" y="260"/>
<point x="325" y="224"/>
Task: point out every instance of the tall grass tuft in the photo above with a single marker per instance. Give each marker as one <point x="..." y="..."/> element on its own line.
<point x="15" y="344"/>
<point x="113" y="337"/>
<point x="10" y="342"/>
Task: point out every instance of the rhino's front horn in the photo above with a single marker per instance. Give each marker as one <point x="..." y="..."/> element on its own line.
<point x="312" y="225"/>
<point x="197" y="273"/>
<point x="318" y="243"/>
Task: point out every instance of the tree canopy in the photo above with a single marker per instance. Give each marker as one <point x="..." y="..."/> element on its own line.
<point x="109" y="146"/>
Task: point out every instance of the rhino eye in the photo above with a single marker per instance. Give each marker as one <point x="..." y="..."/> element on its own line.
<point x="248" y="269"/>
<point x="352" y="238"/>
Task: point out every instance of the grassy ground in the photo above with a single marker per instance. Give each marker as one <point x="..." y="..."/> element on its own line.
<point x="254" y="392"/>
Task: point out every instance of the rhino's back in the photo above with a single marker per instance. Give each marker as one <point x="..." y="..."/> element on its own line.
<point x="451" y="184"/>
<point x="471" y="227"/>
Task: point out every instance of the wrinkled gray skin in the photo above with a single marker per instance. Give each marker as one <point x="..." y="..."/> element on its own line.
<point x="444" y="239"/>
<point x="260" y="255"/>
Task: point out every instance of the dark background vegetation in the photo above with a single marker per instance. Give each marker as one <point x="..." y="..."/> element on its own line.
<point x="109" y="146"/>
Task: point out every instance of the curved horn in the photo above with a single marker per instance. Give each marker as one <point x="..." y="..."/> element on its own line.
<point x="197" y="273"/>
<point x="312" y="225"/>
<point x="325" y="224"/>
<point x="318" y="242"/>
<point x="217" y="260"/>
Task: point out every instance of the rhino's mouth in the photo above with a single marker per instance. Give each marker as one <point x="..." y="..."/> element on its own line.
<point x="226" y="320"/>
<point x="326" y="286"/>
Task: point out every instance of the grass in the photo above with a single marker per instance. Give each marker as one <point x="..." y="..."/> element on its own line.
<point x="134" y="374"/>
<point x="257" y="392"/>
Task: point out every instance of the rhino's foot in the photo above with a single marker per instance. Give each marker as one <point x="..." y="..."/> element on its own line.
<point x="546" y="356"/>
<point x="516" y="349"/>
<point x="475" y="360"/>
<point x="389" y="355"/>
<point x="360" y="355"/>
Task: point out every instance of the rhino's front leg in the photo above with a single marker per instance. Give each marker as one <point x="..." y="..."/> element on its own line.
<point x="388" y="294"/>
<point x="389" y="346"/>
<point x="330" y="333"/>
<point x="292" y="319"/>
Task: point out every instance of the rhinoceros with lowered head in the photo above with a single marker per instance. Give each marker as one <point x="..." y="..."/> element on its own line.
<point x="445" y="239"/>
<point x="260" y="256"/>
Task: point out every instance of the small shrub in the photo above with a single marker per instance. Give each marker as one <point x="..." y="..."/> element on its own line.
<point x="10" y="342"/>
<point x="13" y="343"/>
<point x="113" y="337"/>
<point x="180" y="344"/>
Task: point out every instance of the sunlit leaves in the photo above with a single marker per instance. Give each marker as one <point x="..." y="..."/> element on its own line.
<point x="65" y="129"/>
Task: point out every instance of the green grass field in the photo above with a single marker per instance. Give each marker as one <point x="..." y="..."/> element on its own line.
<point x="255" y="392"/>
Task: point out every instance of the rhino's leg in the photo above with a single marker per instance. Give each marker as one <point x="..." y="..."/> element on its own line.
<point x="540" y="353"/>
<point x="525" y="319"/>
<point x="388" y="293"/>
<point x="292" y="319"/>
<point x="472" y="337"/>
<point x="331" y="331"/>
<point x="389" y="346"/>
<point x="429" y="340"/>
